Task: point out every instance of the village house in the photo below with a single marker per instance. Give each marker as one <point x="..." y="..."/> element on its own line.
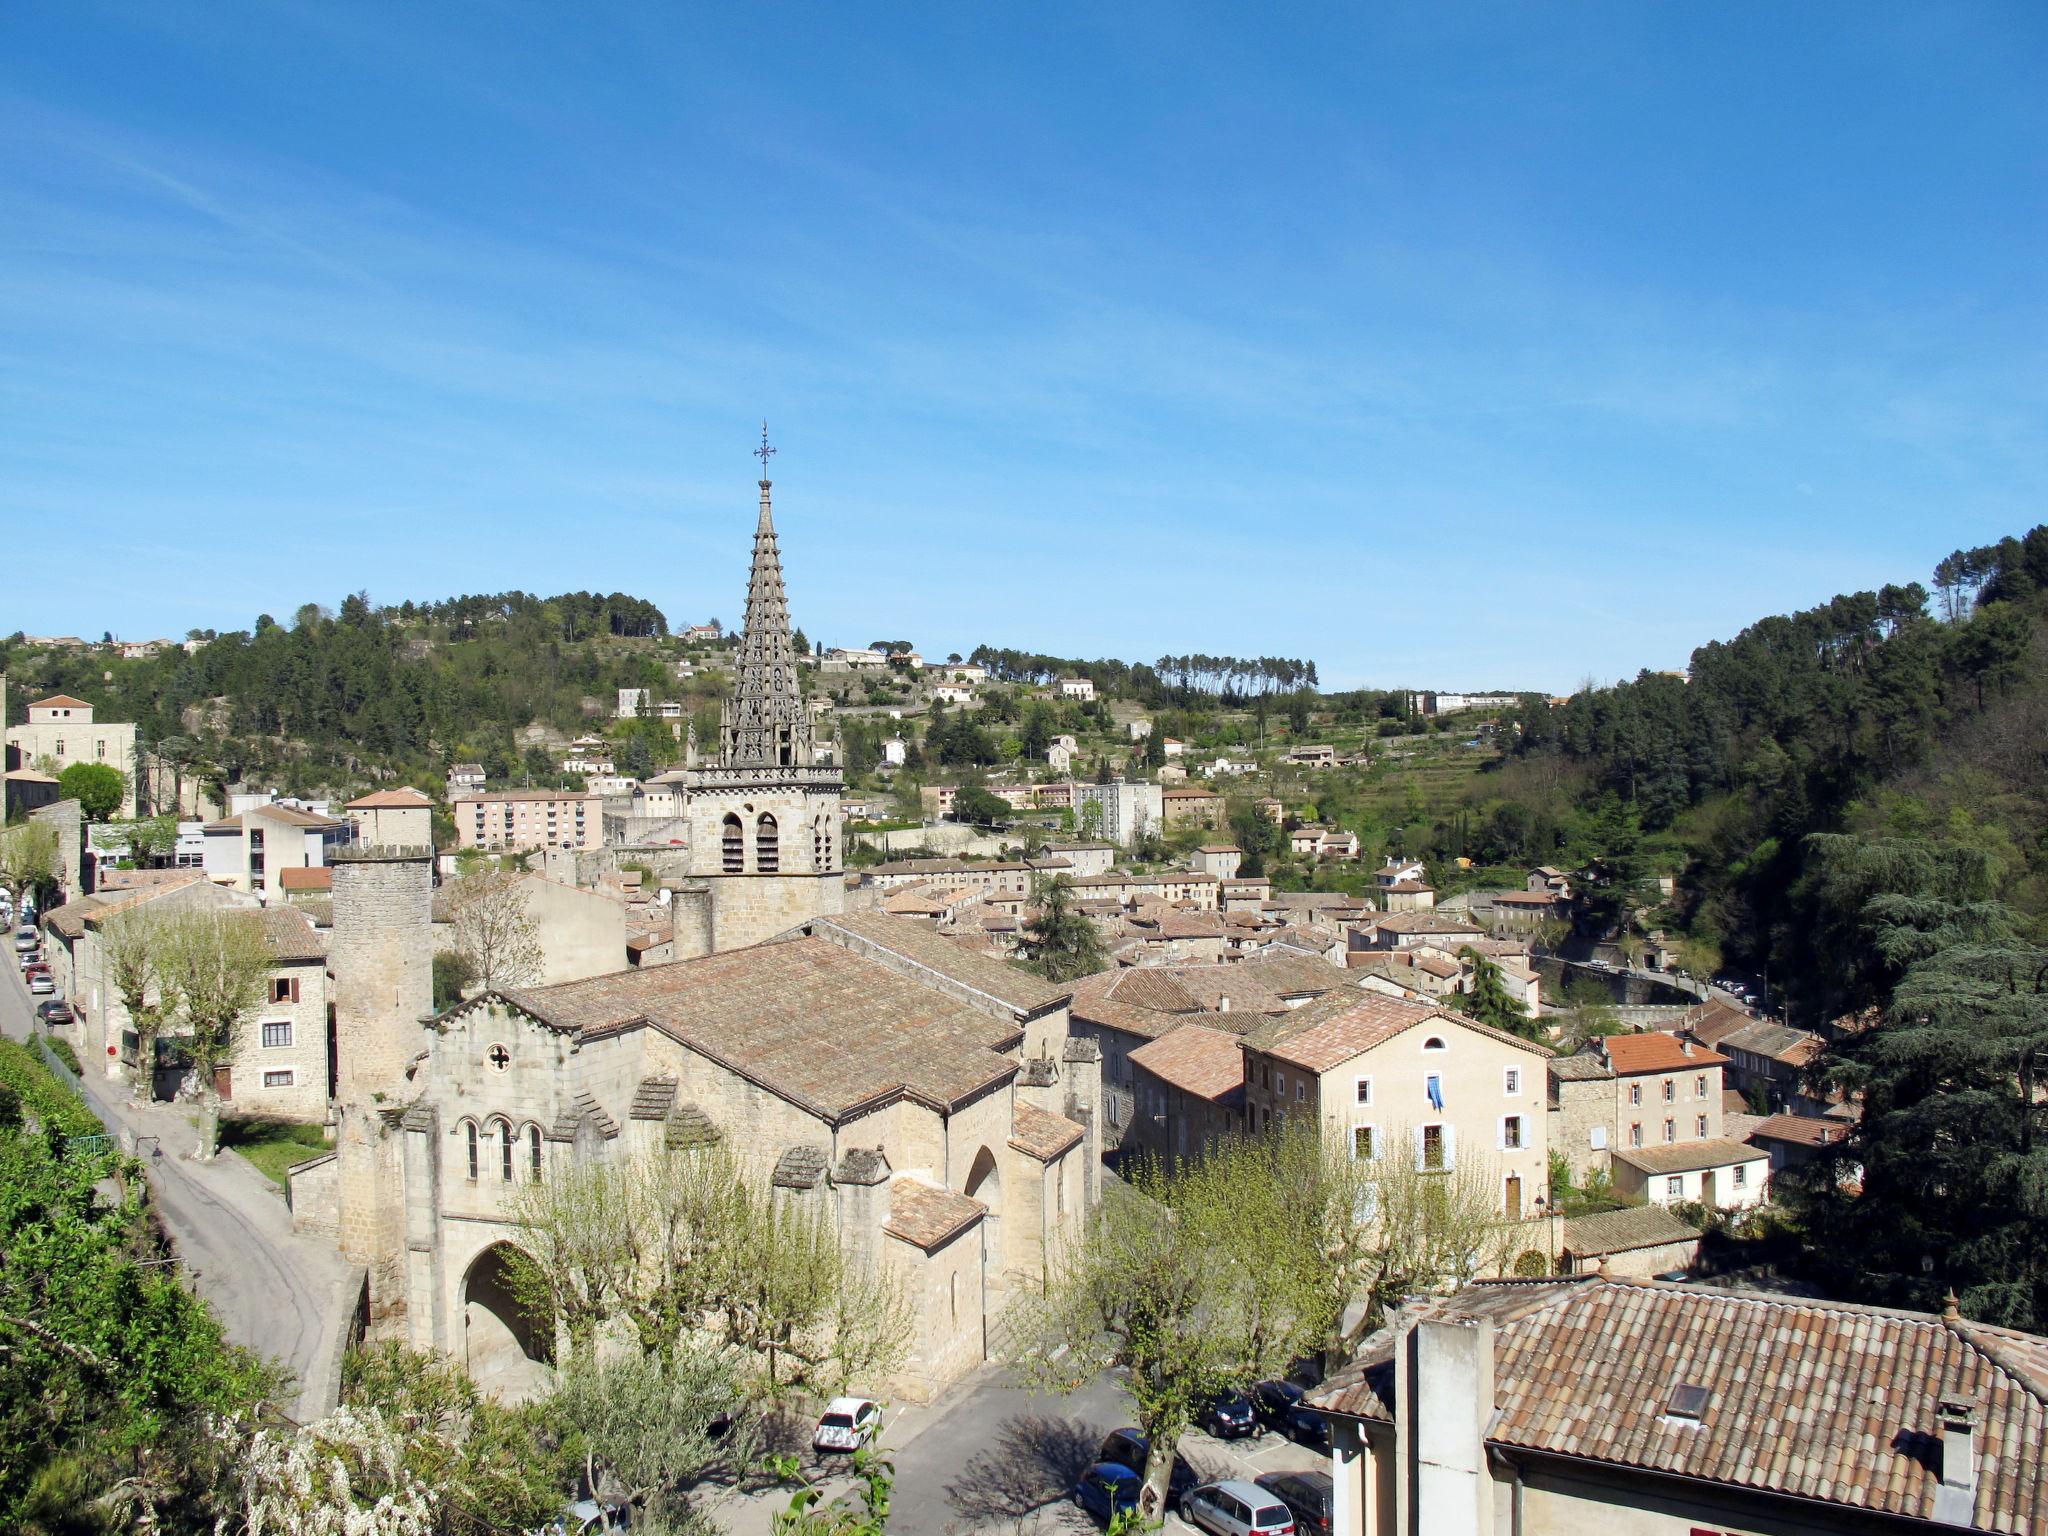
<point x="1219" y="859"/>
<point x="1313" y="756"/>
<point x="1637" y="1242"/>
<point x="1190" y="887"/>
<point x="1792" y="1141"/>
<point x="952" y="693"/>
<point x="1602" y="1404"/>
<point x="1138" y="729"/>
<point x="1405" y="930"/>
<point x="1190" y="805"/>
<point x="399" y="817"/>
<point x="1646" y="1109"/>
<point x="1548" y="878"/>
<point x="1762" y="1056"/>
<point x="1083" y="856"/>
<point x="62" y="729"/>
<point x="1187" y="1093"/>
<point x="1076" y="688"/>
<point x="467" y="778"/>
<point x="1524" y="911"/>
<point x="1407" y="1080"/>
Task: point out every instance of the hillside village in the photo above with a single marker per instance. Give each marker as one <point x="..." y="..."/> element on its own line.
<point x="955" y="958"/>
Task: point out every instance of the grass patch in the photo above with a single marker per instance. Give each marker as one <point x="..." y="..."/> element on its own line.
<point x="274" y="1146"/>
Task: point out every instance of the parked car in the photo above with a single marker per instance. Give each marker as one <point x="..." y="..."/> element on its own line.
<point x="1236" y="1508"/>
<point x="1228" y="1416"/>
<point x="1272" y="1401"/>
<point x="25" y="940"/>
<point x="1308" y="1494"/>
<point x="56" y="1013"/>
<point x="848" y="1424"/>
<point x="28" y="958"/>
<point x="40" y="984"/>
<point x="1108" y="1489"/>
<point x="1129" y="1447"/>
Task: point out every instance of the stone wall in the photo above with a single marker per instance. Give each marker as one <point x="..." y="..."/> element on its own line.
<point x="303" y="1054"/>
<point x="382" y="956"/>
<point x="746" y="909"/>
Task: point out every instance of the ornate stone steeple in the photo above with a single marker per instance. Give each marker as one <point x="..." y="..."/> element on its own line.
<point x="764" y="724"/>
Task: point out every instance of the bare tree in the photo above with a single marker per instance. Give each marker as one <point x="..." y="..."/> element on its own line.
<point x="681" y="1245"/>
<point x="135" y="943"/>
<point x="494" y="929"/>
<point x="220" y="964"/>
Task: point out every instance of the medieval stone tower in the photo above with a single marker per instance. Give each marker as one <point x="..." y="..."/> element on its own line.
<point x="763" y="820"/>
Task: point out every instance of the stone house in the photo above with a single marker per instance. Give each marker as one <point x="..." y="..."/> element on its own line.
<point x="1219" y="859"/>
<point x="1522" y="911"/>
<point x="1638" y="1241"/>
<point x="1628" y="1092"/>
<point x="1407" y="1080"/>
<point x="1187" y="1092"/>
<point x="1761" y="1054"/>
<point x="63" y="730"/>
<point x="1635" y="1408"/>
<point x="398" y="818"/>
<point x="1076" y="688"/>
<point x="1190" y="805"/>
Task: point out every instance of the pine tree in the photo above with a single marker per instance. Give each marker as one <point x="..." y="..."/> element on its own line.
<point x="1060" y="943"/>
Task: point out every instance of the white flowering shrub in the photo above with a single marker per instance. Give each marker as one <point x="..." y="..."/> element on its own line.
<point x="342" y="1476"/>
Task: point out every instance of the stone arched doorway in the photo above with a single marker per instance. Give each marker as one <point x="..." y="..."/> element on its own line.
<point x="985" y="1183"/>
<point x="506" y="1347"/>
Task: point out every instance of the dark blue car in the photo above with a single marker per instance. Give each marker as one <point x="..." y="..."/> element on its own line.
<point x="1108" y="1489"/>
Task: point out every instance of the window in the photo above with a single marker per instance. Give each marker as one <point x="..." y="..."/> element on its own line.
<point x="1741" y="1178"/>
<point x="1432" y="1147"/>
<point x="1511" y="1081"/>
<point x="1670" y="1090"/>
<point x="766" y="857"/>
<point x="279" y="1079"/>
<point x="1596" y="1138"/>
<point x="1699" y="1086"/>
<point x="505" y="1151"/>
<point x="1700" y="1126"/>
<point x="1280" y="1079"/>
<point x="1511" y="1133"/>
<point x="471" y="1129"/>
<point x="533" y="1151"/>
<point x="60" y="746"/>
<point x="1674" y="1187"/>
<point x="284" y="989"/>
<point x="1364" y="1090"/>
<point x="1635" y="1133"/>
<point x="1434" y="1043"/>
<point x="102" y="748"/>
<point x="1300" y="1091"/>
<point x="733" y="847"/>
<point x="1361" y="1141"/>
<point x="1635" y="1093"/>
<point x="1433" y="1090"/>
<point x="277" y="1032"/>
<point x="1671" y="1130"/>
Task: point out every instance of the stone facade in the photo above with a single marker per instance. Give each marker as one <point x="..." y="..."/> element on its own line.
<point x="63" y="730"/>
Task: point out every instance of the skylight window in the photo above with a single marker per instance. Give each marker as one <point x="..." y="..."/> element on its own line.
<point x="1688" y="1402"/>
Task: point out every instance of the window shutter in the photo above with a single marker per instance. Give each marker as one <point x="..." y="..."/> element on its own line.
<point x="1500" y="1134"/>
<point x="1450" y="1147"/>
<point x="1417" y="1133"/>
<point x="295" y="989"/>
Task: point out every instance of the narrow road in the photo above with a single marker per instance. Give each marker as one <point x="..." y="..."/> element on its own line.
<point x="286" y="1296"/>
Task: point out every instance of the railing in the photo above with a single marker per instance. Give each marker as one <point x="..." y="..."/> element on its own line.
<point x="56" y="1063"/>
<point x="91" y="1146"/>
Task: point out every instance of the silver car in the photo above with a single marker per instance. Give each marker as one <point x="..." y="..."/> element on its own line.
<point x="1236" y="1508"/>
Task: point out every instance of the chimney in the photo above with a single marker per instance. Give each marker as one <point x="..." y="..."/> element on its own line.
<point x="1223" y="1003"/>
<point x="1444" y="1389"/>
<point x="1955" y="1498"/>
<point x="1685" y="1045"/>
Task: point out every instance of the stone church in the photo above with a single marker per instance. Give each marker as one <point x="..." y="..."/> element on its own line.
<point x="930" y="1098"/>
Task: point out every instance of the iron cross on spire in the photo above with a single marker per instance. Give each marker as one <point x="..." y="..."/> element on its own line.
<point x="764" y="452"/>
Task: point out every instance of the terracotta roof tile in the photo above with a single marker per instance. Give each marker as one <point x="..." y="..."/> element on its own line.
<point x="1803" y="1130"/>
<point x="390" y="800"/>
<point x="319" y="878"/>
<point x="921" y="946"/>
<point x="1196" y="1059"/>
<point x="1042" y="1134"/>
<point x="1688" y="1156"/>
<point x="1655" y="1051"/>
<point x="1635" y="1226"/>
<point x="926" y="1217"/>
<point x="811" y="1020"/>
<point x="1333" y="1029"/>
<point x="1809" y="1399"/>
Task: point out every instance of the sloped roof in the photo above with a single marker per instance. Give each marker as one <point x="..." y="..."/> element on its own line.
<point x="391" y="800"/>
<point x="312" y="878"/>
<point x="810" y="1020"/>
<point x="1809" y="1399"/>
<point x="1292" y="974"/>
<point x="1634" y="1226"/>
<point x="1333" y="1029"/>
<point x="1042" y="1134"/>
<point x="1804" y="1130"/>
<point x="926" y="1216"/>
<point x="59" y="701"/>
<point x="1688" y="1156"/>
<point x="1196" y="1059"/>
<point x="1655" y="1051"/>
<point x="922" y="946"/>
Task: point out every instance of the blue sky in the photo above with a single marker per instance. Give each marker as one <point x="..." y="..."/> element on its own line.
<point x="1449" y="346"/>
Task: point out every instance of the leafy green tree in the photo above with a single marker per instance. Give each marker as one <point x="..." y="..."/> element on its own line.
<point x="978" y="807"/>
<point x="1058" y="942"/>
<point x="1490" y="1002"/>
<point x="28" y="860"/>
<point x="1988" y="649"/>
<point x="454" y="974"/>
<point x="135" y="947"/>
<point x="218" y="965"/>
<point x="97" y="787"/>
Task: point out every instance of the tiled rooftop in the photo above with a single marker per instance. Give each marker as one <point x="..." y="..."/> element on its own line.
<point x="1042" y="1134"/>
<point x="926" y="1216"/>
<point x="1196" y="1059"/>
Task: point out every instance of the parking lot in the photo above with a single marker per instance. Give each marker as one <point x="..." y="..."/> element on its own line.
<point x="990" y="1457"/>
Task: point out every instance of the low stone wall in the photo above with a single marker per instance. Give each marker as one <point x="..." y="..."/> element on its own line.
<point x="313" y="1191"/>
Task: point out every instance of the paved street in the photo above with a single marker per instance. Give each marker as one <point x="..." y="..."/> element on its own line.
<point x="990" y="1457"/>
<point x="283" y="1295"/>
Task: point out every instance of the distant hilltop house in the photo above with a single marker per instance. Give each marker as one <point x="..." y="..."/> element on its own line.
<point x="1452" y="703"/>
<point x="465" y="778"/>
<point x="714" y="631"/>
<point x="1076" y="688"/>
<point x="1139" y="729"/>
<point x="952" y="693"/>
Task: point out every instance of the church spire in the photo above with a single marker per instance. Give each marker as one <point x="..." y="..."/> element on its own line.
<point x="765" y="724"/>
